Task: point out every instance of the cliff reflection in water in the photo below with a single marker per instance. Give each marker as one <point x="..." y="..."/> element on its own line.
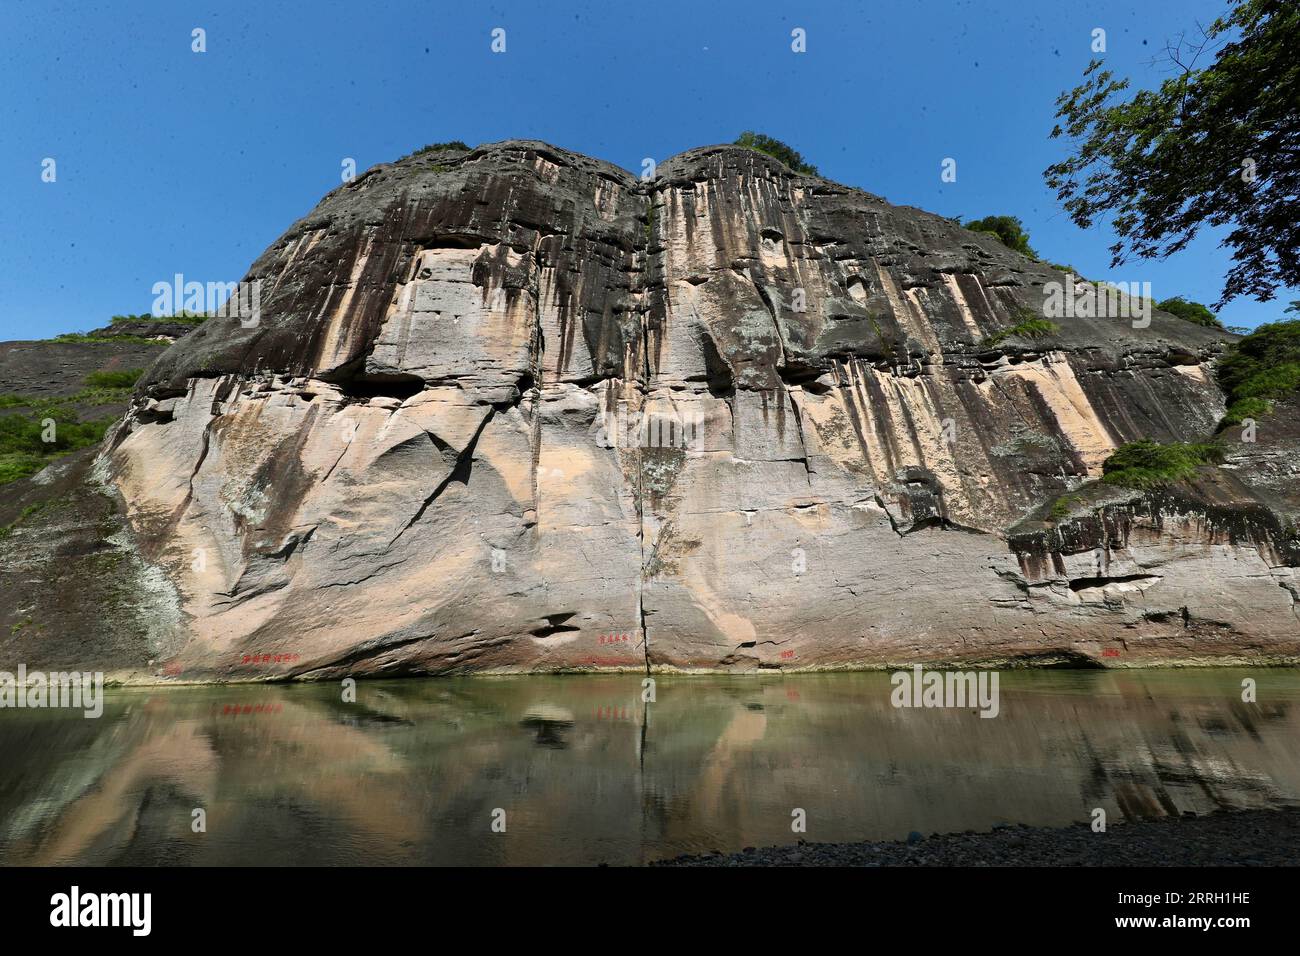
<point x="588" y="773"/>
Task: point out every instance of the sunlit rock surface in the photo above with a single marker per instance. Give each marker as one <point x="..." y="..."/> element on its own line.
<point x="514" y="409"/>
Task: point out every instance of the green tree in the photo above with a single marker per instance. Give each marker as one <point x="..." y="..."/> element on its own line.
<point x="453" y="144"/>
<point x="1190" y="312"/>
<point x="1214" y="145"/>
<point x="777" y="149"/>
<point x="1007" y="228"/>
<point x="1262" y="367"/>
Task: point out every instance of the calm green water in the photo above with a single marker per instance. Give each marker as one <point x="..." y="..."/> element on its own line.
<point x="587" y="773"/>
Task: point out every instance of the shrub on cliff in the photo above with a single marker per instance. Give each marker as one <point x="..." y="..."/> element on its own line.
<point x="1149" y="464"/>
<point x="776" y="148"/>
<point x="1009" y="229"/>
<point x="1260" y="368"/>
<point x="1193" y="312"/>
<point x="1030" y="326"/>
<point x="437" y="148"/>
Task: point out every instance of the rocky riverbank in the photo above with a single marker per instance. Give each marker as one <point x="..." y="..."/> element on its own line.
<point x="1240" y="838"/>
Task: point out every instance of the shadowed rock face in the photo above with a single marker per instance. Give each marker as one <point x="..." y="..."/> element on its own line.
<point x="512" y="409"/>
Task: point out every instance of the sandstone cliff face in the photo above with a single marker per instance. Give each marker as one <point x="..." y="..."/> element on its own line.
<point x="512" y="409"/>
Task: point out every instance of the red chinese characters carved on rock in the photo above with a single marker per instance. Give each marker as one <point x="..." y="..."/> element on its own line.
<point x="270" y="658"/>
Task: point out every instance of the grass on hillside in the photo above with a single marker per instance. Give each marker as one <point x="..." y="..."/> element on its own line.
<point x="106" y="339"/>
<point x="114" y="378"/>
<point x="48" y="428"/>
<point x="1148" y="464"/>
<point x="183" y="317"/>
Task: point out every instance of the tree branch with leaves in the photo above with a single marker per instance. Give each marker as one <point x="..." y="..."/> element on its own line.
<point x="1214" y="145"/>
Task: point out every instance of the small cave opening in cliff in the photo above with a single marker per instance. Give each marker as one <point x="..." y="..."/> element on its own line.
<point x="397" y="385"/>
<point x="1083" y="584"/>
<point x="555" y="624"/>
<point x="450" y="240"/>
<point x="858" y="287"/>
<point x="805" y="375"/>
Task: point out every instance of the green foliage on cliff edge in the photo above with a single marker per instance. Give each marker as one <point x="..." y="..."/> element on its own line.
<point x="183" y="318"/>
<point x="109" y="335"/>
<point x="1188" y="311"/>
<point x="1148" y="464"/>
<point x="1009" y="229"/>
<point x="437" y="148"/>
<point x="1011" y="232"/>
<point x="85" y="339"/>
<point x="1030" y="326"/>
<point x="1260" y="368"/>
<point x="1061" y="507"/>
<point x="777" y="149"/>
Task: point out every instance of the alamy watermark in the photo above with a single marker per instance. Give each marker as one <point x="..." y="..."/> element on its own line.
<point x="1100" y="300"/>
<point x="236" y="300"/>
<point x="62" y="689"/>
<point x="956" y="689"/>
<point x="128" y="910"/>
<point x="650" y="428"/>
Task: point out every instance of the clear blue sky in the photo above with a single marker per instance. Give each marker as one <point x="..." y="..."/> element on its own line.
<point x="170" y="161"/>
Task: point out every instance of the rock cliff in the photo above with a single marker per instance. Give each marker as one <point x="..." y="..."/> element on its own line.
<point x="513" y="409"/>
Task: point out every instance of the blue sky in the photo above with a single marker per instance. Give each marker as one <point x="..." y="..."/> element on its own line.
<point x="173" y="161"/>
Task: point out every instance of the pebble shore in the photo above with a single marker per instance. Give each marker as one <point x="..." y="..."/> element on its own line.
<point x="1236" y="838"/>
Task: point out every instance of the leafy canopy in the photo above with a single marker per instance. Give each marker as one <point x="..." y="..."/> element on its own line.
<point x="777" y="149"/>
<point x="1260" y="368"/>
<point x="1007" y="228"/>
<point x="453" y="144"/>
<point x="1189" y="312"/>
<point x="1214" y="145"/>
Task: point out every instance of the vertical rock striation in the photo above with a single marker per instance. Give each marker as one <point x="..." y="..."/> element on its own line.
<point x="512" y="409"/>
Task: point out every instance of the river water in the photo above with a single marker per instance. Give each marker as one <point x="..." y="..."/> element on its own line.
<point x="581" y="771"/>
